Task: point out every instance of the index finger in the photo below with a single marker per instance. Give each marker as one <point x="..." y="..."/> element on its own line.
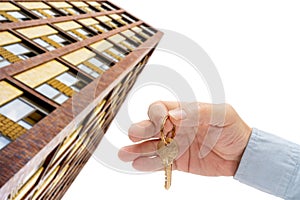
<point x="150" y="128"/>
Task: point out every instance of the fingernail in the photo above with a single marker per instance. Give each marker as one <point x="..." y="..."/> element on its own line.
<point x="178" y="114"/>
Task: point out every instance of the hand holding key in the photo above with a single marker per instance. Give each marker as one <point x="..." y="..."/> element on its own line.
<point x="211" y="138"/>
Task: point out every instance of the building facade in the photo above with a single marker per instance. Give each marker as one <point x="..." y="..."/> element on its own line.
<point x="65" y="69"/>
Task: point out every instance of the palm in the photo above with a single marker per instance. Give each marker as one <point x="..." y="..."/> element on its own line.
<point x="216" y="163"/>
<point x="224" y="155"/>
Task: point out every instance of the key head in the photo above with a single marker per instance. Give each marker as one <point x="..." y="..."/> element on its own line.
<point x="167" y="152"/>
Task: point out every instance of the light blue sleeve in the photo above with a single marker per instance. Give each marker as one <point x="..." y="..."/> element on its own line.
<point x="271" y="164"/>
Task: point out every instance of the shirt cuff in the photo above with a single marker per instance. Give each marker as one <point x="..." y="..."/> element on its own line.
<point x="270" y="164"/>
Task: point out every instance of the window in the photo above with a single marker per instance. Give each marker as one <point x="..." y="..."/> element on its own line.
<point x="88" y="9"/>
<point x="44" y="44"/>
<point x="122" y="42"/>
<point x="97" y="6"/>
<point x="123" y="19"/>
<point x="46" y="13"/>
<point x="18" y="15"/>
<point x="3" y="62"/>
<point x="80" y="34"/>
<point x="45" y="36"/>
<point x="71" y="81"/>
<point x="67" y="79"/>
<point x="98" y="63"/>
<point x="109" y="56"/>
<point x="87" y="61"/>
<point x="52" y="93"/>
<point x="10" y="111"/>
<point x="62" y="87"/>
<point x="59" y="39"/>
<point x="39" y="14"/>
<point x="20" y="50"/>
<point x="141" y="34"/>
<point x="108" y="6"/>
<point x="75" y="35"/>
<point x="113" y="54"/>
<point x="88" y="70"/>
<point x="127" y="45"/>
<point x="128" y="18"/>
<point x="18" y="112"/>
<point x="74" y="29"/>
<point x="40" y="9"/>
<point x="83" y="6"/>
<point x="52" y="13"/>
<point x="61" y="99"/>
<point x="53" y="80"/>
<point x="93" y="66"/>
<point x="135" y="39"/>
<point x="13" y="50"/>
<point x="109" y="51"/>
<point x="94" y="25"/>
<point x="64" y="11"/>
<point x="11" y="13"/>
<point x="3" y="19"/>
<point x="109" y="22"/>
<point x="48" y="91"/>
<point x="52" y="42"/>
<point x="69" y="11"/>
<point x="3" y="141"/>
<point x="22" y="112"/>
<point x="150" y="31"/>
<point x="64" y="7"/>
<point x="25" y="124"/>
<point x="99" y="28"/>
<point x="84" y="32"/>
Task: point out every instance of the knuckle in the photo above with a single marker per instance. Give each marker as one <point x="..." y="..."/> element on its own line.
<point x="152" y="106"/>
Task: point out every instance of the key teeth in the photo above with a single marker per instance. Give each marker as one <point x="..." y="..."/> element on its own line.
<point x="167" y="152"/>
<point x="168" y="176"/>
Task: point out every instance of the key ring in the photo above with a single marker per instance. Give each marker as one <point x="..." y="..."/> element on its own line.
<point x="164" y="137"/>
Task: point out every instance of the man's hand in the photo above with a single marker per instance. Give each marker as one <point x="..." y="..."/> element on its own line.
<point x="211" y="138"/>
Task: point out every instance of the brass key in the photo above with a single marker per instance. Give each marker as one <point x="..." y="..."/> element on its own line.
<point x="167" y="150"/>
<point x="167" y="153"/>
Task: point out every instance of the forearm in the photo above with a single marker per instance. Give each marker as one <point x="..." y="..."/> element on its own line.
<point x="271" y="164"/>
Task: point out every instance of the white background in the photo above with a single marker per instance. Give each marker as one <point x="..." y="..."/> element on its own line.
<point x="255" y="46"/>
